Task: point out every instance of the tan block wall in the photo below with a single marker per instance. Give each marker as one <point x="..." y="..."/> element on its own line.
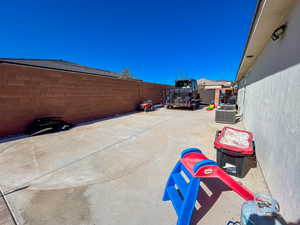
<point x="154" y="92"/>
<point x="27" y="93"/>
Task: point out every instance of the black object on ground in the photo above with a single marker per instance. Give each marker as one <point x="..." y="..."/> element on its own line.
<point x="236" y="163"/>
<point x="47" y="125"/>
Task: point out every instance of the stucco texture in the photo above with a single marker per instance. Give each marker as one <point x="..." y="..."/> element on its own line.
<point x="269" y="101"/>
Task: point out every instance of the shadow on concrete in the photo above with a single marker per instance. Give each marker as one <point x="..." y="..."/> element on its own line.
<point x="207" y="198"/>
<point x="14" y="138"/>
<point x="23" y="136"/>
<point x="206" y="201"/>
<point x="283" y="222"/>
<point x="188" y="109"/>
<point x="253" y="162"/>
<point x="79" y="124"/>
<point x="270" y="220"/>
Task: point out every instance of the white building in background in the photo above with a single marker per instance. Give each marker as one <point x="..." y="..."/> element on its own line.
<point x="269" y="98"/>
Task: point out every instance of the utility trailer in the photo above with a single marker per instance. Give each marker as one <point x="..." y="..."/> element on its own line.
<point x="184" y="94"/>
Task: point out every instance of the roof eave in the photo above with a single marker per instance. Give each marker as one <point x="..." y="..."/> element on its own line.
<point x="269" y="15"/>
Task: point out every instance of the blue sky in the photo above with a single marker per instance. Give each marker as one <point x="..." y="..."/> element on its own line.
<point x="160" y="41"/>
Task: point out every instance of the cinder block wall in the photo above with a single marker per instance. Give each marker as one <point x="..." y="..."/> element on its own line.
<point x="152" y="91"/>
<point x="27" y="93"/>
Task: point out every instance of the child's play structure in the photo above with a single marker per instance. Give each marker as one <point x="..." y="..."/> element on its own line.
<point x="183" y="190"/>
<point x="196" y="166"/>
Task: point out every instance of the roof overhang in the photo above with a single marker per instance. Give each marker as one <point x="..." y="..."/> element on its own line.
<point x="270" y="14"/>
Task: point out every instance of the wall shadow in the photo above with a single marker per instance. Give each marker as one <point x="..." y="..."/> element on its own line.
<point x="188" y="109"/>
<point x="79" y="124"/>
<point x="13" y="138"/>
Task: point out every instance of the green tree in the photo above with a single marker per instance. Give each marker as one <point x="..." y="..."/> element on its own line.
<point x="127" y="73"/>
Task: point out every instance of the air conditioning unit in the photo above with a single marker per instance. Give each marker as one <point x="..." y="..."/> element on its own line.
<point x="226" y="114"/>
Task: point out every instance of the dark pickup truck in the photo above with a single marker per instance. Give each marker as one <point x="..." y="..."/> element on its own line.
<point x="184" y="94"/>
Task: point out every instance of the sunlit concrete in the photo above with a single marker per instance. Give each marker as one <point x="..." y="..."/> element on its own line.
<point x="113" y="172"/>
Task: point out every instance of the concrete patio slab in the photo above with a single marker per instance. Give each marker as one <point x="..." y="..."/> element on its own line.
<point x="114" y="171"/>
<point x="5" y="216"/>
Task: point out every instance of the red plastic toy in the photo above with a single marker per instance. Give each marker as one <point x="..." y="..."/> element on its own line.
<point x="147" y="106"/>
<point x="183" y="194"/>
<point x="212" y="171"/>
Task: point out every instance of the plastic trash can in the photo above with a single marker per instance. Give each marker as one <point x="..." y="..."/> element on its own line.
<point x="235" y="150"/>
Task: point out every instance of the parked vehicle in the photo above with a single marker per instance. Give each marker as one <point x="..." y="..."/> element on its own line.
<point x="185" y="94"/>
<point x="47" y="124"/>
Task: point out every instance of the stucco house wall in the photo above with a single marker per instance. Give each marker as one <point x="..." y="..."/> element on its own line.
<point x="269" y="101"/>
